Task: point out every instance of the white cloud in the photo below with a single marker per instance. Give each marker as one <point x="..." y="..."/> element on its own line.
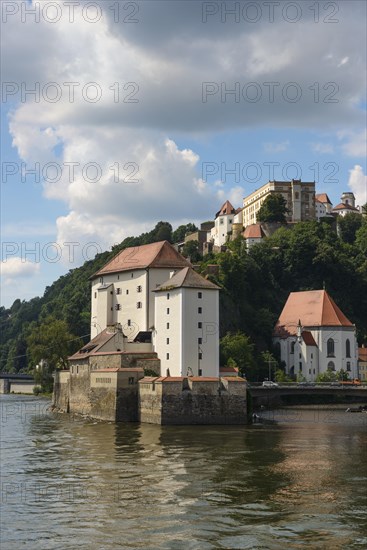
<point x="323" y="148"/>
<point x="15" y="267"/>
<point x="271" y="147"/>
<point x="355" y="144"/>
<point x="358" y="184"/>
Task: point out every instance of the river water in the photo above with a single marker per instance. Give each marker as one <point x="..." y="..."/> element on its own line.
<point x="297" y="479"/>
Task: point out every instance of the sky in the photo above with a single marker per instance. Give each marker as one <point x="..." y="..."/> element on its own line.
<point x="116" y="115"/>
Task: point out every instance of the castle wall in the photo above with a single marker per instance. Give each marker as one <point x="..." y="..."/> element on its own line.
<point x="61" y="393"/>
<point x="192" y="401"/>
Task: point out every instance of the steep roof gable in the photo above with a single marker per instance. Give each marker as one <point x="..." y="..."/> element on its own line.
<point x="161" y="254"/>
<point x="313" y="308"/>
<point x="323" y="197"/>
<point x="187" y="278"/>
<point x="226" y="209"/>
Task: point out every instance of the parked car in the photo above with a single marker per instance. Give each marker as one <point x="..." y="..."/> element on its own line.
<point x="270" y="384"/>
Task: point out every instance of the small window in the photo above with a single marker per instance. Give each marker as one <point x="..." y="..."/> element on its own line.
<point x="167" y="326"/>
<point x="131" y="380"/>
<point x="300" y="366"/>
<point x="330" y="348"/>
<point x="139" y="288"/>
<point x="309" y="371"/>
<point x="200" y="372"/>
<point x="348" y="366"/>
<point x="221" y="221"/>
<point x="95" y="294"/>
<point x="118" y="290"/>
<point x="292" y="346"/>
<point x="200" y="340"/>
<point x="331" y="366"/>
<point x="129" y="322"/>
<point x="118" y="307"/>
<point x="167" y="340"/>
<point x="167" y="356"/>
<point x="118" y="277"/>
<point x="127" y="291"/>
<point x="200" y="310"/>
<point x="200" y="324"/>
<point x="132" y="275"/>
<point x="139" y="305"/>
<point x="200" y="355"/>
<point x="200" y="295"/>
<point x="111" y="291"/>
<point x="101" y="279"/>
<point x="347" y="348"/>
<point x="168" y="311"/>
<point x="167" y="295"/>
<point x="311" y="355"/>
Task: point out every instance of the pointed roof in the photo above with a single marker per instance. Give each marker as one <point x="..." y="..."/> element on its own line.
<point x="187" y="278"/>
<point x="308" y="338"/>
<point x="161" y="254"/>
<point x="253" y="231"/>
<point x="323" y="197"/>
<point x="226" y="209"/>
<point x="94" y="345"/>
<point x="314" y="308"/>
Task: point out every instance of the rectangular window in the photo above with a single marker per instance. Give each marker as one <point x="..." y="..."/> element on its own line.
<point x="131" y="380"/>
<point x="200" y="340"/>
<point x="300" y="367"/>
<point x="200" y="324"/>
<point x="139" y="288"/>
<point x="200" y="295"/>
<point x="118" y="307"/>
<point x="95" y="294"/>
<point x="129" y="322"/>
<point x="132" y="275"/>
<point x="139" y="305"/>
<point x="127" y="291"/>
<point x="168" y="311"/>
<point x="168" y="296"/>
<point x="167" y="356"/>
<point x="200" y="355"/>
<point x="200" y="372"/>
<point x="167" y="326"/>
<point x="167" y="340"/>
<point x="200" y="310"/>
<point x="118" y="290"/>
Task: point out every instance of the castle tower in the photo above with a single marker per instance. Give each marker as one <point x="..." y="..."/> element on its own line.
<point x="348" y="198"/>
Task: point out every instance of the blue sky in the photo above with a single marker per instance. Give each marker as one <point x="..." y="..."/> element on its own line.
<point x="146" y="130"/>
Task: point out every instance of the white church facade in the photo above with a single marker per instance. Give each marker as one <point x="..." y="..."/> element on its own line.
<point x="314" y="336"/>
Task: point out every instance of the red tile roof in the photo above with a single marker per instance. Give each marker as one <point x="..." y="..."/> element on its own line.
<point x="314" y="308"/>
<point x="343" y="206"/>
<point x="187" y="278"/>
<point x="322" y="197"/>
<point x="93" y="346"/>
<point x="308" y="338"/>
<point x="226" y="209"/>
<point x="161" y="254"/>
<point x="253" y="231"/>
<point x="362" y="354"/>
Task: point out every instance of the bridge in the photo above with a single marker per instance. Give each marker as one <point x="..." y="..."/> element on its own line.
<point x="273" y="395"/>
<point x="17" y="383"/>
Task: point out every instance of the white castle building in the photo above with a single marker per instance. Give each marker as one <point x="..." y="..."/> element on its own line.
<point x="155" y="296"/>
<point x="315" y="336"/>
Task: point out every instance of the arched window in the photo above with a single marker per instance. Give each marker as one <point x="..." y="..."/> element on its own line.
<point x="348" y="366"/>
<point x="331" y="366"/>
<point x="330" y="348"/>
<point x="347" y="348"/>
<point x="292" y="346"/>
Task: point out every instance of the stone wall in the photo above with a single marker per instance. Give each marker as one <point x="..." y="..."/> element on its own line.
<point x="60" y="398"/>
<point x="79" y="397"/>
<point x="193" y="400"/>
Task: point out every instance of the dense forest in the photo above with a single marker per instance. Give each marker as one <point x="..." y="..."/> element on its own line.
<point x="255" y="285"/>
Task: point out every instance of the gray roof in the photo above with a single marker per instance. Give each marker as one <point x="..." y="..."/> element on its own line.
<point x="187" y="278"/>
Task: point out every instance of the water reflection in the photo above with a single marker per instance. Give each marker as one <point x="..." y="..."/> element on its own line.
<point x="296" y="481"/>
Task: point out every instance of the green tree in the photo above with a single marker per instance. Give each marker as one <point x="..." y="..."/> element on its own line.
<point x="348" y="226"/>
<point x="273" y="209"/>
<point x="52" y="342"/>
<point x="191" y="250"/>
<point x="237" y="349"/>
<point x="180" y="233"/>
